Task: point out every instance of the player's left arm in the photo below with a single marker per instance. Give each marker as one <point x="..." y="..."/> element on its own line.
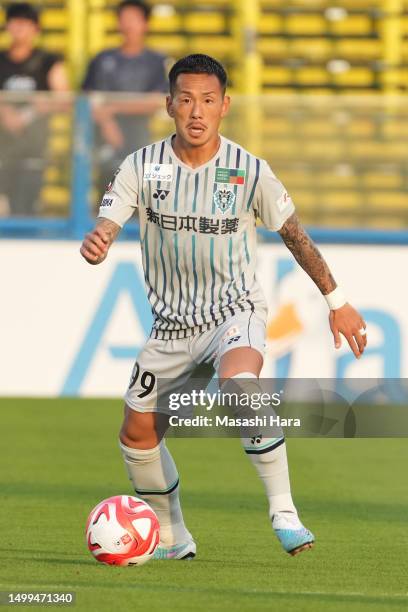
<point x="344" y="320"/>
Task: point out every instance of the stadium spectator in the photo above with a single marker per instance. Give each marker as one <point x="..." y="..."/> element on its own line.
<point x="24" y="68"/>
<point x="123" y="124"/>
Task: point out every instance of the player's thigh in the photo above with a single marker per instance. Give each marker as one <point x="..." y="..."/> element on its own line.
<point x="163" y="368"/>
<point x="237" y="360"/>
<point x="238" y="344"/>
<point x="161" y="365"/>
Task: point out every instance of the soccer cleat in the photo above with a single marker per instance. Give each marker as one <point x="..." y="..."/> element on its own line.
<point x="290" y="532"/>
<point x="184" y="551"/>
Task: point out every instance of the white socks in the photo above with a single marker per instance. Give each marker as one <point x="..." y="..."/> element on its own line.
<point x="268" y="455"/>
<point x="272" y="466"/>
<point x="155" y="479"/>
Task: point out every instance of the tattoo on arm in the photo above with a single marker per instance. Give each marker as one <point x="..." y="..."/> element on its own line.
<point x="307" y="254"/>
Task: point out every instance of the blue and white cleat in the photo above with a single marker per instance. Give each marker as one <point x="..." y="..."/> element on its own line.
<point x="290" y="532"/>
<point x="184" y="551"/>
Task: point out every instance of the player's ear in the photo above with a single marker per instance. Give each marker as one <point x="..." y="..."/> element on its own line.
<point x="225" y="105"/>
<point x="169" y="106"/>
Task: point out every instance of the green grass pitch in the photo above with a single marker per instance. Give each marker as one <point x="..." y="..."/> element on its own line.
<point x="60" y="457"/>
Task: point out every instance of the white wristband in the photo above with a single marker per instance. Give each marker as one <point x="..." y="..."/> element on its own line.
<point x="335" y="299"/>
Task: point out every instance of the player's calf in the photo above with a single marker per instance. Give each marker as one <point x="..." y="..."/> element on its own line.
<point x="153" y="473"/>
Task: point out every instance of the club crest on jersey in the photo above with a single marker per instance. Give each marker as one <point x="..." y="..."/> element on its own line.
<point x="224" y="199"/>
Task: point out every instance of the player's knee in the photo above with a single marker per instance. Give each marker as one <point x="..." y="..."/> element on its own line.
<point x="140" y="430"/>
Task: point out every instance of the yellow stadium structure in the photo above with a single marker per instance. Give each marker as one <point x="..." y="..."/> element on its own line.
<point x="341" y="149"/>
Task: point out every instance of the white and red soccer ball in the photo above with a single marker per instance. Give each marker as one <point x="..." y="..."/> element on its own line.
<point x="122" y="530"/>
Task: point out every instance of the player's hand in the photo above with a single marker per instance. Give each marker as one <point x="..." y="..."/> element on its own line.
<point x="348" y="322"/>
<point x="95" y="246"/>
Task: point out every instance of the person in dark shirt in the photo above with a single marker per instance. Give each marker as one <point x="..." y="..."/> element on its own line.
<point x="123" y="124"/>
<point x="23" y="132"/>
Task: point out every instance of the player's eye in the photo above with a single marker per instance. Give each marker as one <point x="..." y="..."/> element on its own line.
<point x="209" y="101"/>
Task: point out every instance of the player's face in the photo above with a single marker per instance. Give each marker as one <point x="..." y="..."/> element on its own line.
<point x="132" y="23"/>
<point x="197" y="107"/>
<point x="22" y="30"/>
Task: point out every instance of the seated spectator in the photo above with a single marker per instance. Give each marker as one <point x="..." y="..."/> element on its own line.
<point x="132" y="67"/>
<point x="23" y="128"/>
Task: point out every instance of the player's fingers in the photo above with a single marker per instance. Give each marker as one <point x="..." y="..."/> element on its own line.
<point x="360" y="341"/>
<point x="336" y="336"/>
<point x="364" y="335"/>
<point x="353" y="345"/>
<point x="88" y="255"/>
<point x="337" y="339"/>
<point x="102" y="234"/>
<point x="93" y="248"/>
<point x="98" y="240"/>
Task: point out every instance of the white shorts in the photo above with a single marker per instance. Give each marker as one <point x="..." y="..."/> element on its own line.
<point x="198" y="356"/>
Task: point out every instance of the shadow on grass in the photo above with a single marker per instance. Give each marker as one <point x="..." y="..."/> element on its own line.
<point x="365" y="510"/>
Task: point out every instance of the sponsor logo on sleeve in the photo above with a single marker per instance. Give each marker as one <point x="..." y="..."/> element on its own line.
<point x="107" y="201"/>
<point x="284" y="201"/>
<point x="158" y="172"/>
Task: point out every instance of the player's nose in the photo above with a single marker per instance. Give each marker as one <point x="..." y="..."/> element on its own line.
<point x="197" y="110"/>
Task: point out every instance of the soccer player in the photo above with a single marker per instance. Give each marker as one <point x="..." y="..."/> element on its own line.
<point x="198" y="196"/>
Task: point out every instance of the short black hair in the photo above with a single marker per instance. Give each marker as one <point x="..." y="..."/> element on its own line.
<point x="197" y="63"/>
<point x="138" y="4"/>
<point x="22" y="10"/>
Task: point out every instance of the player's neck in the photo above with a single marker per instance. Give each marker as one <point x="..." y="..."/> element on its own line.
<point x="19" y="52"/>
<point x="195" y="156"/>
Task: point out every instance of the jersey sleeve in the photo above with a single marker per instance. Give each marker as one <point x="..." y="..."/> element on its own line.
<point x="272" y="203"/>
<point x="121" y="196"/>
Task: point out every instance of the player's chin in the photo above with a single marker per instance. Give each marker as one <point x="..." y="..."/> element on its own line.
<point x="197" y="138"/>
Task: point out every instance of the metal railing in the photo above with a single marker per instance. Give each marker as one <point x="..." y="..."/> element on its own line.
<point x="344" y="159"/>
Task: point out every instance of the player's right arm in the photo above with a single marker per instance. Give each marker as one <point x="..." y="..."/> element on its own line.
<point x="96" y="244"/>
<point x="117" y="206"/>
<point x="275" y="208"/>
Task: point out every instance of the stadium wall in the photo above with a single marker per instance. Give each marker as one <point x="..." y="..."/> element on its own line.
<point x="71" y="329"/>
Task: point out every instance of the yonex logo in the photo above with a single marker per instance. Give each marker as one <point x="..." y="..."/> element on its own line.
<point x="160" y="194"/>
<point x="234" y="339"/>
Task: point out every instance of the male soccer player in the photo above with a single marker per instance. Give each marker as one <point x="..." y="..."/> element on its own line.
<point x="198" y="196"/>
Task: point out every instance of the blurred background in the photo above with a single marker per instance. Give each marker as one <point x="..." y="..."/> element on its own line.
<point x="319" y="90"/>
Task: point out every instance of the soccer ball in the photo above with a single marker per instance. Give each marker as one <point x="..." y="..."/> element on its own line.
<point x="122" y="530"/>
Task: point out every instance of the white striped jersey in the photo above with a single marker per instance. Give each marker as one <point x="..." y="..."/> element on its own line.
<point x="197" y="229"/>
